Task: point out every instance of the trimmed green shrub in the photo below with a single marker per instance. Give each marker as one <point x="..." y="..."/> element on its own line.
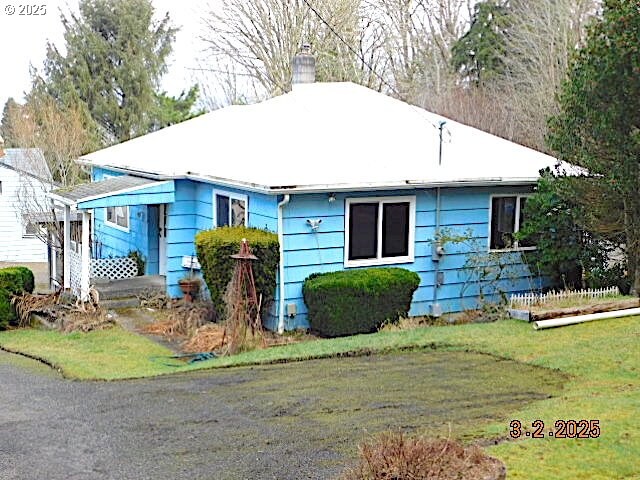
<point x="214" y="249"/>
<point x="358" y="301"/>
<point x="7" y="314"/>
<point x="13" y="280"/>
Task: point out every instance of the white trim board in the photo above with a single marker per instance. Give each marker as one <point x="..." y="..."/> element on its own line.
<point x="380" y="260"/>
<point x="232" y="196"/>
<point x="516" y="226"/>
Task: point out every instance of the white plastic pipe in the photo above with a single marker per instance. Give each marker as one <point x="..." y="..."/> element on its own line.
<point x="561" y="322"/>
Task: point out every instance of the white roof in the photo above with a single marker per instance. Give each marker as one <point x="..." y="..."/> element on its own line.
<point x="326" y="136"/>
<point x="29" y="161"/>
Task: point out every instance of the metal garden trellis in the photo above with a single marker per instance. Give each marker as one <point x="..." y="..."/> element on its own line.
<point x="243" y="303"/>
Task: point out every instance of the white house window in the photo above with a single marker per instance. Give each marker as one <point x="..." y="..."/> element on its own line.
<point x="379" y="231"/>
<point x="117" y="217"/>
<point x="229" y="209"/>
<point x="507" y="216"/>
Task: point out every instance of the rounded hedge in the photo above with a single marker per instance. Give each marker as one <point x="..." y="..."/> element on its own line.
<point x="214" y="249"/>
<point x="358" y="301"/>
<point x="13" y="280"/>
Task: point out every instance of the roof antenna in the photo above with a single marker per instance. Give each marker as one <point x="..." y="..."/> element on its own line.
<point x="441" y="125"/>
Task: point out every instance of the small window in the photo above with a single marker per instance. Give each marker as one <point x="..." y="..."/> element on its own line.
<point x="29" y="229"/>
<point x="507" y="216"/>
<point x="380" y="231"/>
<point x="117" y="217"/>
<point x="230" y="210"/>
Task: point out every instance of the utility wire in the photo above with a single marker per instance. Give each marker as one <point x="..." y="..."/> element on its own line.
<point x="362" y="59"/>
<point x="353" y="50"/>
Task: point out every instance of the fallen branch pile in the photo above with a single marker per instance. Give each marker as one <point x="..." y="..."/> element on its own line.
<point x="66" y="317"/>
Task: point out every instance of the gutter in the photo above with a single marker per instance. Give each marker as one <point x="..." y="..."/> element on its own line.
<point x="325" y="188"/>
<point x="281" y="205"/>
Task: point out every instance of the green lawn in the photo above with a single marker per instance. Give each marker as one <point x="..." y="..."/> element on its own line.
<point x="601" y="358"/>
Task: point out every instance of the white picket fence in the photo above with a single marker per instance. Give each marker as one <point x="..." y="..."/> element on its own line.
<point x="529" y="299"/>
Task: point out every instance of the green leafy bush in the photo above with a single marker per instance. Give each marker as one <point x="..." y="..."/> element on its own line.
<point x="214" y="249"/>
<point x="358" y="301"/>
<point x="13" y="280"/>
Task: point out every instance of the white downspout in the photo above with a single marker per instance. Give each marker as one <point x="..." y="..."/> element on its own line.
<point x="281" y="205"/>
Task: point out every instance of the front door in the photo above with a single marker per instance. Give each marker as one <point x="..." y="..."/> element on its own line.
<point x="162" y="239"/>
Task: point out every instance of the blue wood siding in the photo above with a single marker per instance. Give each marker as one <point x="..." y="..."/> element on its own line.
<point x="109" y="241"/>
<point x="192" y="212"/>
<point x="463" y="211"/>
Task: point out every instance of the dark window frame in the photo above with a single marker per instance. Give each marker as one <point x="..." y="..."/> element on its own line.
<point x="517" y="221"/>
<point x="231" y="197"/>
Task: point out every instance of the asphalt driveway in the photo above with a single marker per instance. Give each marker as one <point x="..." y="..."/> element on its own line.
<point x="295" y="421"/>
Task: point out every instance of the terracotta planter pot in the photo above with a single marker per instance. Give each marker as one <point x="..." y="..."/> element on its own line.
<point x="189" y="288"/>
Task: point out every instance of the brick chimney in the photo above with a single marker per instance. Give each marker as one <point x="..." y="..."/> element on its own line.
<point x="303" y="66"/>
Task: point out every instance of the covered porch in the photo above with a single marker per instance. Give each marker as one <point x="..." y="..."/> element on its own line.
<point x="142" y="232"/>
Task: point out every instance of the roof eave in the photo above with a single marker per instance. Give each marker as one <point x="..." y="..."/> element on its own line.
<point x="62" y="200"/>
<point x="322" y="188"/>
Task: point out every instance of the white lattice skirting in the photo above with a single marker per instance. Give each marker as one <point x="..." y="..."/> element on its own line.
<point x="114" y="268"/>
<point x="76" y="272"/>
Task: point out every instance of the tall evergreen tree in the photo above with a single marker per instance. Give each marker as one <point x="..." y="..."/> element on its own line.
<point x="10" y="111"/>
<point x="115" y="56"/>
<point x="479" y="53"/>
<point x="172" y="110"/>
<point x="599" y="124"/>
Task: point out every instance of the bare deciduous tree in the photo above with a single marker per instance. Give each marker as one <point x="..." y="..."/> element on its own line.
<point x="543" y="36"/>
<point x="59" y="133"/>
<point x="62" y="137"/>
<point x="258" y="39"/>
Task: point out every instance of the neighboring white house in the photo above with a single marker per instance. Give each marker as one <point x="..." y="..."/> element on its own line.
<point x="24" y="181"/>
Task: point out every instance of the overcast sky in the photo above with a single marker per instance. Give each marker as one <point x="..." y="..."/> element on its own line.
<point x="23" y="41"/>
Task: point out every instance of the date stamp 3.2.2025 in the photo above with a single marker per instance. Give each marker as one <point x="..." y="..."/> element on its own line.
<point x="561" y="429"/>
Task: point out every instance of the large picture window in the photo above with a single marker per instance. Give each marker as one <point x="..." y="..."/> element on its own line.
<point x="229" y="209"/>
<point x="117" y="217"/>
<point x="507" y="217"/>
<point x="379" y="231"/>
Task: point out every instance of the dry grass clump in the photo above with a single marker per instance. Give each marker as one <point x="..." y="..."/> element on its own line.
<point x="208" y="338"/>
<point x="85" y="321"/>
<point x="183" y="320"/>
<point x="394" y="456"/>
<point x="408" y="323"/>
<point x="153" y="299"/>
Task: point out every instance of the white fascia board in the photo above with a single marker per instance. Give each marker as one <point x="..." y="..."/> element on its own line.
<point x="61" y="200"/>
<point x="124" y="190"/>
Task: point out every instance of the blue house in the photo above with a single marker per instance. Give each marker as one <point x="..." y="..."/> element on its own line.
<point x="347" y="177"/>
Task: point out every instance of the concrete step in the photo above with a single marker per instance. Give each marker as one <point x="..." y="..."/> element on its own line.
<point x="117" y="303"/>
<point x="129" y="288"/>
